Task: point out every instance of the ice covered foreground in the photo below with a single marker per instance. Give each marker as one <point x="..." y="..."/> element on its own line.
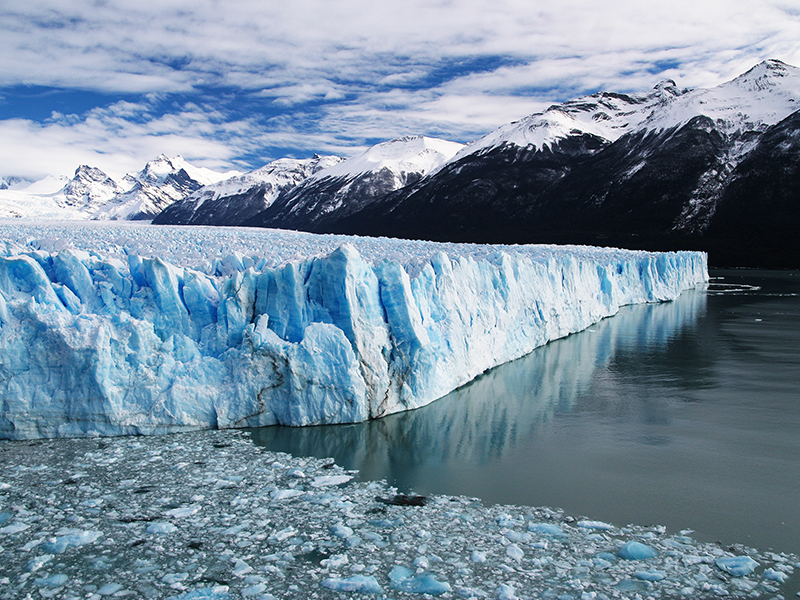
<point x="118" y="342"/>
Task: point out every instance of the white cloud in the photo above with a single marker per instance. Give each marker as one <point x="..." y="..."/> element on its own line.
<point x="371" y="70"/>
<point x="110" y="140"/>
<point x="119" y="45"/>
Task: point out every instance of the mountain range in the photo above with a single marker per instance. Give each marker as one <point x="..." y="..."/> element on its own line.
<point x="91" y="194"/>
<point x="714" y="169"/>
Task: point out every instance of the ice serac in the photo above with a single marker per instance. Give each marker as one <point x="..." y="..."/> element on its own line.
<point x="91" y="344"/>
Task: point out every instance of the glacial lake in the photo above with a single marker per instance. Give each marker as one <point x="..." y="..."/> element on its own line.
<point x="684" y="414"/>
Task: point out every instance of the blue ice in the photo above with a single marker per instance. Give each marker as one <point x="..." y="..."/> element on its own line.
<point x="94" y="345"/>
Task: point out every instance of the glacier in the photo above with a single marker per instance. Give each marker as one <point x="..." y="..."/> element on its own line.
<point x="135" y="329"/>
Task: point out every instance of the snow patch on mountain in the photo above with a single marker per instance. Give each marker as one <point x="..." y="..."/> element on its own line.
<point x="606" y="115"/>
<point x="762" y="96"/>
<point x="274" y="178"/>
<point x="416" y="155"/>
<point x="353" y="184"/>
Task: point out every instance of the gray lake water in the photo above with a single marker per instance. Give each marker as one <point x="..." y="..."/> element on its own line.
<point x="684" y="414"/>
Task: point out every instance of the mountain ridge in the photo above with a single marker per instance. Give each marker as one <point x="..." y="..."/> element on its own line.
<point x="654" y="180"/>
<point x="644" y="170"/>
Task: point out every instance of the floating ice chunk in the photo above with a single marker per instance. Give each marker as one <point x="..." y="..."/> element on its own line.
<point x="353" y="541"/>
<point x="633" y="585"/>
<point x="517" y="538"/>
<point x="541" y="545"/>
<point x="387" y="523"/>
<point x="296" y="473"/>
<point x="37" y="563"/>
<point x="364" y="584"/>
<point x="70" y="538"/>
<point x="403" y="580"/>
<point x="600" y="525"/>
<point x="774" y="575"/>
<point x="241" y="568"/>
<point x="161" y="527"/>
<point x="109" y="589"/>
<point x="184" y="511"/>
<point x="286" y="494"/>
<point x="54" y="581"/>
<point x="341" y="530"/>
<point x="282" y="535"/>
<point x="738" y="566"/>
<point x="14" y="528"/>
<point x="478" y="556"/>
<point x="468" y="593"/>
<point x="514" y="552"/>
<point x="506" y="592"/>
<point x="327" y="480"/>
<point x="254" y="590"/>
<point x="649" y="575"/>
<point x="504" y="520"/>
<point x="636" y="551"/>
<point x="546" y="529"/>
<point x="604" y="560"/>
<point x="219" y="592"/>
<point x="335" y="561"/>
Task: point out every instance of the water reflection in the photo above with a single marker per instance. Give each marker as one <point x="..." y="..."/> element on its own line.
<point x="685" y="414"/>
<point x="503" y="409"/>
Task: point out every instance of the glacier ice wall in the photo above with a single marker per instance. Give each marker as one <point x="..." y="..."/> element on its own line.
<point x="96" y="345"/>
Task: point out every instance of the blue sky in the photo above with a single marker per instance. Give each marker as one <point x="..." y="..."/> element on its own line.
<point x="237" y="83"/>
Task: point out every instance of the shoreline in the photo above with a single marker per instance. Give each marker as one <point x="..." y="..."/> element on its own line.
<point x="208" y="514"/>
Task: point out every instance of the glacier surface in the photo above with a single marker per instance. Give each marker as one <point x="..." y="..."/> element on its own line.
<point x="134" y="329"/>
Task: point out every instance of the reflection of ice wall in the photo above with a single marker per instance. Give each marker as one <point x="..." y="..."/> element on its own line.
<point x="492" y="415"/>
<point x="93" y="345"/>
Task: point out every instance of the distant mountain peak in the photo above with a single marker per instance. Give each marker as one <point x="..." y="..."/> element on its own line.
<point x="408" y="154"/>
<point x="765" y="75"/>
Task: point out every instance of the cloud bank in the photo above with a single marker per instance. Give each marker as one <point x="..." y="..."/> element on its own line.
<point x="240" y="82"/>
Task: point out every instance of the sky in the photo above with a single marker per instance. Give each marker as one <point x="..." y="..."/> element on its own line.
<point x="234" y="84"/>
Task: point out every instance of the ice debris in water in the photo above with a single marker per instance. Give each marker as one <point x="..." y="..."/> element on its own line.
<point x="114" y="330"/>
<point x="737" y="566"/>
<point x="634" y="550"/>
<point x="149" y="518"/>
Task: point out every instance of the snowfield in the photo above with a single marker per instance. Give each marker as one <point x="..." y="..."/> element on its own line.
<point x="209" y="515"/>
<point x="134" y="329"/>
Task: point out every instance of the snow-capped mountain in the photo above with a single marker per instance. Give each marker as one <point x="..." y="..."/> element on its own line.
<point x="298" y="193"/>
<point x="606" y="115"/>
<point x="762" y="96"/>
<point x="642" y="170"/>
<point x="7" y="183"/>
<point x="162" y="182"/>
<point x="657" y="170"/>
<point x="91" y="194"/>
<point x="89" y="189"/>
<point x="351" y="185"/>
<point x="233" y="200"/>
<point x="404" y="159"/>
<point x="636" y="170"/>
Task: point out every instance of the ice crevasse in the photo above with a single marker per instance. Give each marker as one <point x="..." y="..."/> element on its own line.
<point x="98" y="345"/>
